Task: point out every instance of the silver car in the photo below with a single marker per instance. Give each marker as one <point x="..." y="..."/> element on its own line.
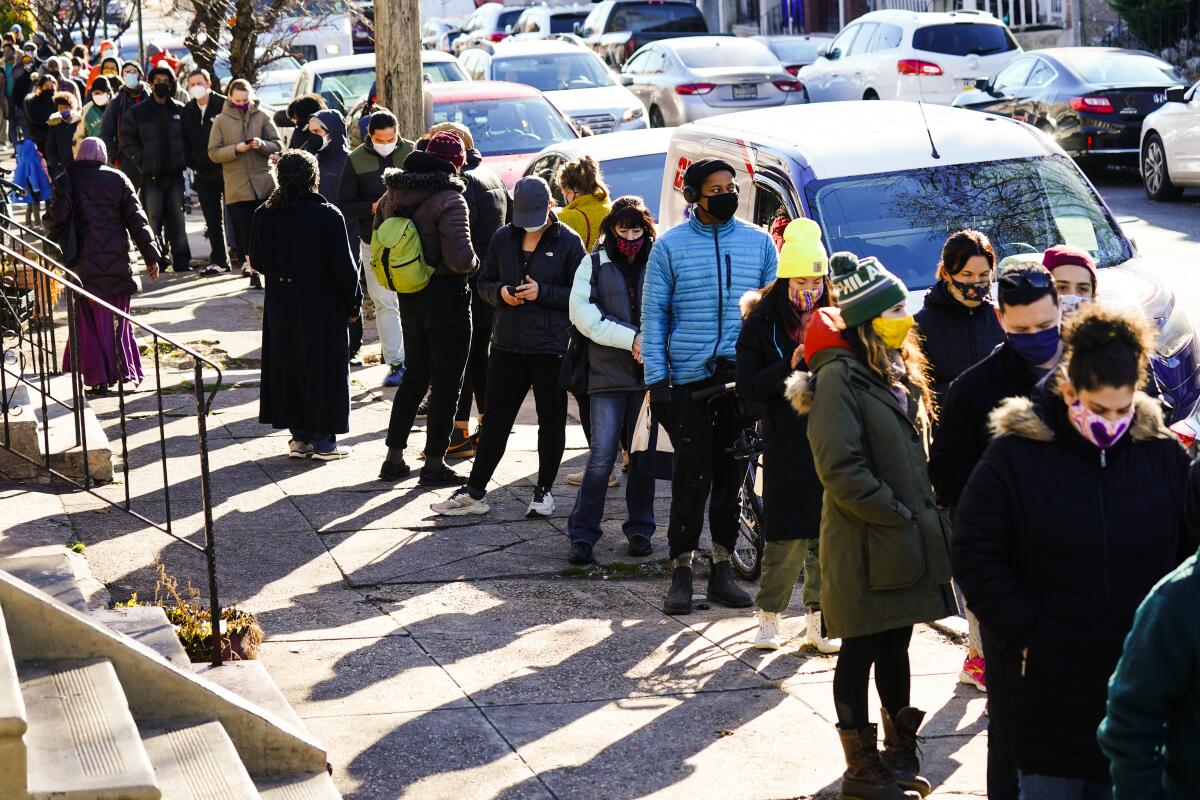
<point x="683" y="80"/>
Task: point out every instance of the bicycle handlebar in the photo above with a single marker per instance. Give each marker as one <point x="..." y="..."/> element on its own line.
<point x="713" y="391"/>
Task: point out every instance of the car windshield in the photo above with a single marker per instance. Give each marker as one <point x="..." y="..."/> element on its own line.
<point x="507" y="18"/>
<point x="1122" y="69"/>
<point x="964" y="39"/>
<point x="657" y="18"/>
<point x="793" y="51"/>
<point x="342" y="90"/>
<point x="1023" y="205"/>
<point x="442" y="71"/>
<point x="508" y="126"/>
<point x="277" y="94"/>
<point x="636" y="175"/>
<point x="727" y="53"/>
<point x="565" y="23"/>
<point x="553" y="72"/>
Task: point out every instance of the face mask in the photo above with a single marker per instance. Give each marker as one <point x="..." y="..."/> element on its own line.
<point x="534" y="229"/>
<point x="100" y="100"/>
<point x="1098" y="430"/>
<point x="131" y="81"/>
<point x="1069" y="302"/>
<point x="806" y="299"/>
<point x="722" y="207"/>
<point x="240" y="106"/>
<point x="198" y="92"/>
<point x="312" y="144"/>
<point x="1036" y="348"/>
<point x="162" y="90"/>
<point x="325" y="140"/>
<point x="109" y="53"/>
<point x="972" y="292"/>
<point x="630" y="247"/>
<point x="66" y="115"/>
<point x="384" y="150"/>
<point x="892" y="331"/>
<point x="109" y="72"/>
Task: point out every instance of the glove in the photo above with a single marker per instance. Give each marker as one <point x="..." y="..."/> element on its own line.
<point x="660" y="401"/>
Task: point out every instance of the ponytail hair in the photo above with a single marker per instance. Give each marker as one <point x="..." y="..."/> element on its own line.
<point x="582" y="176"/>
<point x="1105" y="347"/>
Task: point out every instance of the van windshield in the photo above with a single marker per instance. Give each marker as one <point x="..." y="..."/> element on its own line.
<point x="1023" y="205"/>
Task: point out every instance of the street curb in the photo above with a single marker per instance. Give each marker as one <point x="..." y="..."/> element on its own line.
<point x="954" y="627"/>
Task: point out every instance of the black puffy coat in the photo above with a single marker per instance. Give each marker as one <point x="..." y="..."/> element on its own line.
<point x="539" y="326"/>
<point x="154" y="137"/>
<point x="107" y="213"/>
<point x="955" y="337"/>
<point x="197" y="130"/>
<point x="112" y="130"/>
<point x="488" y="200"/>
<point x="1055" y="545"/>
<point x="792" y="492"/>
<point x="39" y="106"/>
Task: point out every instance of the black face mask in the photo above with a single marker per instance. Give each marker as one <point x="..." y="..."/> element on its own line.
<point x="162" y="90"/>
<point x="312" y="144"/>
<point x="722" y="207"/>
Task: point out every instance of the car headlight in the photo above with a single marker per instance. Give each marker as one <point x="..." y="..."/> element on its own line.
<point x="632" y="114"/>
<point x="1176" y="334"/>
<point x="332" y="49"/>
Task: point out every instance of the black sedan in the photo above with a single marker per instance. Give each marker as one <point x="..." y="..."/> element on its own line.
<point x="1092" y="100"/>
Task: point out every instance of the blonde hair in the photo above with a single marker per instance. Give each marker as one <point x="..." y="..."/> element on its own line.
<point x="874" y="353"/>
<point x="582" y="176"/>
<point x="458" y="129"/>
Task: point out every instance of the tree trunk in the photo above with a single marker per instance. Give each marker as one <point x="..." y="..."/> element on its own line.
<point x="398" y="63"/>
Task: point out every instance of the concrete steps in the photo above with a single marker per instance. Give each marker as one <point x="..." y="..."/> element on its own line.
<point x="28" y="428"/>
<point x="196" y="761"/>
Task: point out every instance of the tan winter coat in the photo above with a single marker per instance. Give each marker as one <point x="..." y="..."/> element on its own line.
<point x="248" y="174"/>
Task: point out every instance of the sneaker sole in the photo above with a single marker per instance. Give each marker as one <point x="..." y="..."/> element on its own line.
<point x="966" y="679"/>
<point x="464" y="512"/>
<point x="767" y="646"/>
<point x="463" y="454"/>
<point x="299" y="455"/>
<point x="531" y="514"/>
<point x="329" y="456"/>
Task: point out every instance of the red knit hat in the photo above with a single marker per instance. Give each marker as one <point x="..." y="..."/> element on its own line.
<point x="1063" y="254"/>
<point x="447" y="147"/>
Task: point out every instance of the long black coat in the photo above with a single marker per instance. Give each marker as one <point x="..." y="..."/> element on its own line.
<point x="1055" y="544"/>
<point x="488" y="199"/>
<point x="312" y="289"/>
<point x="955" y="337"/>
<point x="792" y="492"/>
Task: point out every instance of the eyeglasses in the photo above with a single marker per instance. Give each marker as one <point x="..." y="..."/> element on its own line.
<point x="1027" y="278"/>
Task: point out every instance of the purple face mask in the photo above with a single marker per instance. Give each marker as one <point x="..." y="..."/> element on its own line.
<point x="1103" y="433"/>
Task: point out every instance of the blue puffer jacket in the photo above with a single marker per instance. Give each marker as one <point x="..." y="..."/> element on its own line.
<point x="680" y="297"/>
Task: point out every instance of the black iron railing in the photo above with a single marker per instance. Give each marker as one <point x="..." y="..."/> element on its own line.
<point x="40" y="326"/>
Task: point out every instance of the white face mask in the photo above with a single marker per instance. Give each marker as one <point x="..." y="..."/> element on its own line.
<point x="534" y="229"/>
<point x="325" y="140"/>
<point x="100" y="100"/>
<point x="1069" y="302"/>
<point x="131" y="80"/>
<point x="384" y="150"/>
<point x="198" y="92"/>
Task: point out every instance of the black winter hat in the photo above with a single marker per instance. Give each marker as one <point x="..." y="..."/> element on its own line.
<point x="699" y="171"/>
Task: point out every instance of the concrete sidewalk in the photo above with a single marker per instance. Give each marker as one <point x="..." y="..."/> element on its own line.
<point x="461" y="657"/>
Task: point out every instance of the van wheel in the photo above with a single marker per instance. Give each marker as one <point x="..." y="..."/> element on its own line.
<point x="1156" y="178"/>
<point x="656" y="118"/>
<point x="870" y="95"/>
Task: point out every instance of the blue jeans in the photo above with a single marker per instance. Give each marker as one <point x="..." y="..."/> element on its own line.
<point x="612" y="413"/>
<point x="1045" y="787"/>
<point x="321" y="442"/>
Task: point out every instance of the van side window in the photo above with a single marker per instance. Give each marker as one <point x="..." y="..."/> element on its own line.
<point x="769" y="208"/>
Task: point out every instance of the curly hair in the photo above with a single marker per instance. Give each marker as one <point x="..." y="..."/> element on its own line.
<point x="582" y="176"/>
<point x="1107" y="347"/>
<point x="296" y="174"/>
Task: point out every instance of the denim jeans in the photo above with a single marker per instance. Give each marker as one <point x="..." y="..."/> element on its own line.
<point x="1046" y="787"/>
<point x="612" y="412"/>
<point x="321" y="442"/>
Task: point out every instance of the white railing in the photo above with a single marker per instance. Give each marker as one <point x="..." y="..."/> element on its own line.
<point x="1024" y="14"/>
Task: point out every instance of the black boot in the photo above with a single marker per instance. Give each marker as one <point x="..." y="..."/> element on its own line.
<point x="679" y="598"/>
<point x="866" y="777"/>
<point x="900" y="748"/>
<point x="724" y="590"/>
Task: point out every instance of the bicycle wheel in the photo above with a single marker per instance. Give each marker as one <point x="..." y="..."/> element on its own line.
<point x="748" y="549"/>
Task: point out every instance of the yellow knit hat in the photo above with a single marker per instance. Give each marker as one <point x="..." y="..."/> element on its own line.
<point x="802" y="255"/>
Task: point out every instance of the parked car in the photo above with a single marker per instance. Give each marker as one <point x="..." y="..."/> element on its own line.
<point x="1092" y="100"/>
<point x="439" y="67"/>
<point x="318" y="37"/>
<point x="538" y="22"/>
<point x="274" y="89"/>
<point x="509" y="121"/>
<point x="795" y="52"/>
<point x="491" y="22"/>
<point x="345" y="82"/>
<point x="571" y="77"/>
<point x="900" y="200"/>
<point x="438" y="34"/>
<point x="1170" y="145"/>
<point x="615" y="29"/>
<point x="681" y="80"/>
<point x="632" y="162"/>
<point x="909" y="55"/>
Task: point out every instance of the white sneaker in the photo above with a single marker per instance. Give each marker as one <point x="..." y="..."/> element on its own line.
<point x="542" y="504"/>
<point x="460" y="504"/>
<point x="576" y="478"/>
<point x="768" y="636"/>
<point x="338" y="452"/>
<point x="299" y="449"/>
<point x="814" y="637"/>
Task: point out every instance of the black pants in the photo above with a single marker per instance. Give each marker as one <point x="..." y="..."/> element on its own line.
<point x="210" y="188"/>
<point x="437" y="338"/>
<point x="510" y="377"/>
<point x="241" y="214"/>
<point x="162" y="195"/>
<point x="475" y="381"/>
<point x="702" y="431"/>
<point x="888" y="652"/>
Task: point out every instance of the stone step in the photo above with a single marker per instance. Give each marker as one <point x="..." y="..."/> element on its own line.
<point x="22" y="432"/>
<point x="51" y="574"/>
<point x="59" y="437"/>
<point x="82" y="741"/>
<point x="149" y="625"/>
<point x="308" y="786"/>
<point x="13" y="721"/>
<point x="196" y="761"/>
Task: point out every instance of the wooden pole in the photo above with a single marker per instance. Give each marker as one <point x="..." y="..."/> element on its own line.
<point x="398" y="63"/>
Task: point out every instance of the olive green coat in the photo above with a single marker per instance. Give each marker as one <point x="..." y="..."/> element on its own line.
<point x="885" y="546"/>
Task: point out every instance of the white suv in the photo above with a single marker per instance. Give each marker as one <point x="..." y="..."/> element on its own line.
<point x="910" y="55"/>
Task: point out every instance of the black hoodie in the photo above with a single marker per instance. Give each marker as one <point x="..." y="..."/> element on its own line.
<point x="955" y="337"/>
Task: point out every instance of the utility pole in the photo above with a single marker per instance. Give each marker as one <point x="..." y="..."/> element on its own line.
<point x="398" y="63"/>
<point x="141" y="40"/>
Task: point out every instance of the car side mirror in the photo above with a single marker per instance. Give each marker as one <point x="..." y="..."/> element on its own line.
<point x="576" y="28"/>
<point x="984" y="84"/>
<point x="1176" y="94"/>
<point x="823" y="51"/>
<point x="627" y="80"/>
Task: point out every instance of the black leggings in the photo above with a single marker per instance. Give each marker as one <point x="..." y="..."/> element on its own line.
<point x="888" y="651"/>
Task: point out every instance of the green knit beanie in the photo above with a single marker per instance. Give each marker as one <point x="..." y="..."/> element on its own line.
<point x="863" y="289"/>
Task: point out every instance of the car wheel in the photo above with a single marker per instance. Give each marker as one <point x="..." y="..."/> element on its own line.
<point x="656" y="118"/>
<point x="1156" y="178"/>
<point x="870" y="95"/>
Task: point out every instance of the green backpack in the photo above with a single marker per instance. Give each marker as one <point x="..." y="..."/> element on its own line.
<point x="397" y="258"/>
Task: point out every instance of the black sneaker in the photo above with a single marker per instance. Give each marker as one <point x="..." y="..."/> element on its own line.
<point x="394" y="472"/>
<point x="255" y="281"/>
<point x="581" y="553"/>
<point x="639" y="546"/>
<point x="440" y="476"/>
<point x="423" y="409"/>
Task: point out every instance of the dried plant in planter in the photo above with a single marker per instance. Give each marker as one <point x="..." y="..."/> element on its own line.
<point x="240" y="632"/>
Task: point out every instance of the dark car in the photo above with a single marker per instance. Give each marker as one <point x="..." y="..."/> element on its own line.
<point x="796" y="51"/>
<point x="615" y="29"/>
<point x="1091" y="100"/>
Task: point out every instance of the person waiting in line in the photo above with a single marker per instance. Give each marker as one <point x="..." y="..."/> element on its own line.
<point x="203" y="107"/>
<point x="39" y="108"/>
<point x="60" y="138"/>
<point x="605" y="307"/>
<point x="112" y="129"/>
<point x="1074" y="274"/>
<point x="1070" y="518"/>
<point x="696" y="274"/>
<point x="299" y="241"/>
<point x="770" y="347"/>
<point x="92" y="115"/>
<point x="885" y="561"/>
<point x="528" y="275"/>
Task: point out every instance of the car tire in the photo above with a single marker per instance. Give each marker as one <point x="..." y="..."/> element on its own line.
<point x="656" y="118"/>
<point x="1156" y="177"/>
<point x="870" y="95"/>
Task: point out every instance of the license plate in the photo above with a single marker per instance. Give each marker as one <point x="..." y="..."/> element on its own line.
<point x="968" y="83"/>
<point x="745" y="91"/>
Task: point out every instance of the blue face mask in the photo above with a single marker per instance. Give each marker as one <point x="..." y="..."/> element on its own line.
<point x="1036" y="348"/>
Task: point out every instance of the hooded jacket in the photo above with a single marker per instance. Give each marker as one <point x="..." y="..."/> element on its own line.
<point x="146" y="125"/>
<point x="1056" y="542"/>
<point x="584" y="215"/>
<point x="690" y="298"/>
<point x="885" y="560"/>
<point x="332" y="157"/>
<point x="247" y="175"/>
<point x="39" y="107"/>
<point x="361" y="182"/>
<point x="954" y="336"/>
<point x="112" y="129"/>
<point x="60" y="140"/>
<point x="197" y="130"/>
<point x="428" y="192"/>
<point x="488" y="199"/>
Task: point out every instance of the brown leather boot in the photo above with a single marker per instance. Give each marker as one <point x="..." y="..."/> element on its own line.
<point x="866" y="778"/>
<point x="900" y="748"/>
